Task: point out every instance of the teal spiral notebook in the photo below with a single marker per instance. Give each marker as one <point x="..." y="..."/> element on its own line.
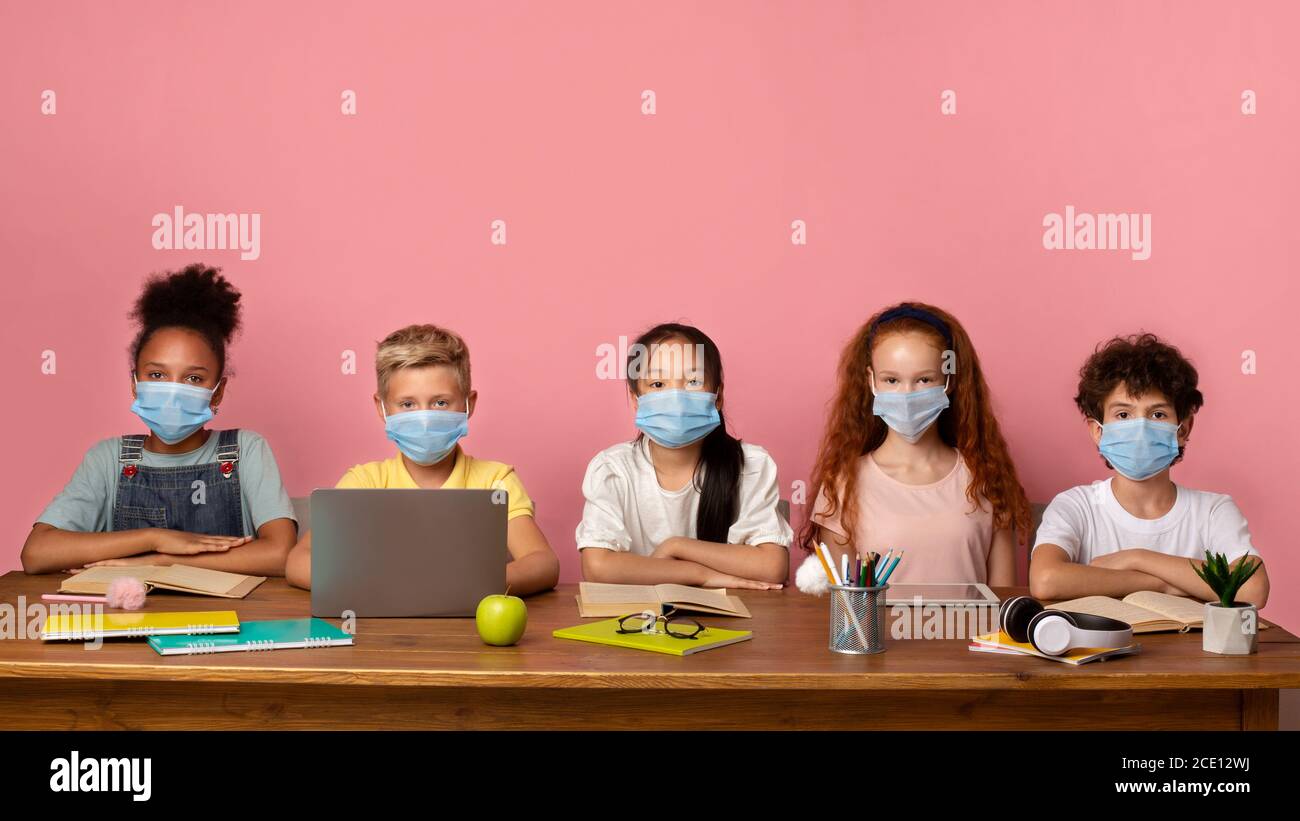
<point x="281" y="634"/>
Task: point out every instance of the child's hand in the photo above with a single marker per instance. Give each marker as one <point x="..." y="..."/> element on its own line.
<point x="180" y="543"/>
<point x="665" y="549"/>
<point x="716" y="579"/>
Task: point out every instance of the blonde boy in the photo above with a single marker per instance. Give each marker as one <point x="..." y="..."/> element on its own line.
<point x="425" y="401"/>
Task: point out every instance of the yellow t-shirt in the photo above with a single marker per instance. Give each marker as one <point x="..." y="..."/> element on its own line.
<point x="467" y="474"/>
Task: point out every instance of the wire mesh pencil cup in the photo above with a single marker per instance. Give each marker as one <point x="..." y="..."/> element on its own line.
<point x="858" y="619"/>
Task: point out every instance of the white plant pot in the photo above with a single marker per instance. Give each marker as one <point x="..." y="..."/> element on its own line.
<point x="1230" y="631"/>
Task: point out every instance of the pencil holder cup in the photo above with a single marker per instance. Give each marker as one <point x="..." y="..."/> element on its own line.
<point x="858" y="619"/>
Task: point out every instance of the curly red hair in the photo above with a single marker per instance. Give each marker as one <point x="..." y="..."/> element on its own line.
<point x="968" y="425"/>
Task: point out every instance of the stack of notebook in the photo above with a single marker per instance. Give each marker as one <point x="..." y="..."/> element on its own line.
<point x="1000" y="642"/>
<point x="170" y="634"/>
<point x="217" y="631"/>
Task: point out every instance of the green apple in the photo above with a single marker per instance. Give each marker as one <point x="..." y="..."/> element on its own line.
<point x="501" y="619"/>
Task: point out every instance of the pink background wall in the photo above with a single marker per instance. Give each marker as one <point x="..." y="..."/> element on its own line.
<point x="827" y="112"/>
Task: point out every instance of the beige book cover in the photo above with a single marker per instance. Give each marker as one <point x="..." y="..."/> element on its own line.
<point x="177" y="577"/>
<point x="1147" y="610"/>
<point x="600" y="600"/>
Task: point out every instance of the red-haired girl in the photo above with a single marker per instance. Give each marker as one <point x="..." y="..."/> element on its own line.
<point x="912" y="458"/>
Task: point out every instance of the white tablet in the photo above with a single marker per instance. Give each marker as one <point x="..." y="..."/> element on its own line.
<point x="972" y="594"/>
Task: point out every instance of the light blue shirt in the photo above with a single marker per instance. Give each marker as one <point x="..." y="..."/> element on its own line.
<point x="86" y="503"/>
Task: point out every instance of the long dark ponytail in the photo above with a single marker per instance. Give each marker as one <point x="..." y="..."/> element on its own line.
<point x="717" y="476"/>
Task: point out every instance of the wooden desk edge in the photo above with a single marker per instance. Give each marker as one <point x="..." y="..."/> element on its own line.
<point x="1026" y="680"/>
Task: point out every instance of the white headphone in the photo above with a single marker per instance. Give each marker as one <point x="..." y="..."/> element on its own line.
<point x="1054" y="632"/>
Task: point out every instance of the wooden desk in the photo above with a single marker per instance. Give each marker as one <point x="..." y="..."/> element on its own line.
<point x="436" y="673"/>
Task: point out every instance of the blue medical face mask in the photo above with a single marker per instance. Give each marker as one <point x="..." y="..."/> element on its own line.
<point x="677" y="418"/>
<point x="172" y="410"/>
<point x="426" y="436"/>
<point x="1139" y="448"/>
<point x="910" y="414"/>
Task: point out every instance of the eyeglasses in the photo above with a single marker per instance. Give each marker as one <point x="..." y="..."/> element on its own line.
<point x="678" y="627"/>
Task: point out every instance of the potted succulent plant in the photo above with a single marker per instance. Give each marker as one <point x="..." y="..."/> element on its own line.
<point x="1230" y="627"/>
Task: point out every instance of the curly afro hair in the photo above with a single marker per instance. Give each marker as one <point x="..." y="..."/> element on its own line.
<point x="197" y="298"/>
<point x="1142" y="363"/>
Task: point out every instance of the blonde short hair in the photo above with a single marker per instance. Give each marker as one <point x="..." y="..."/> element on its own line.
<point x="421" y="346"/>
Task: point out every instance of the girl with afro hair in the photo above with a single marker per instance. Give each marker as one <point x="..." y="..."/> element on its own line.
<point x="180" y="493"/>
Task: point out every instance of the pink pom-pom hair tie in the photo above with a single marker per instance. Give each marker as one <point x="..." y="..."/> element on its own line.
<point x="124" y="593"/>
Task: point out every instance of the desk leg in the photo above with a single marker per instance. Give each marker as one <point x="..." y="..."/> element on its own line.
<point x="1259" y="709"/>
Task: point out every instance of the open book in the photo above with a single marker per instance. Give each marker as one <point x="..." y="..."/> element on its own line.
<point x="179" y="577"/>
<point x="598" y="600"/>
<point x="1146" y="610"/>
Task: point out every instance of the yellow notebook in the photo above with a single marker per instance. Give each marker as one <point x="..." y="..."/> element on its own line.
<point x="91" y="625"/>
<point x="1000" y="642"/>
<point x="606" y="632"/>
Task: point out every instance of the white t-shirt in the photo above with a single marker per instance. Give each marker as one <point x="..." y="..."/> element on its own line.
<point x="1088" y="521"/>
<point x="627" y="510"/>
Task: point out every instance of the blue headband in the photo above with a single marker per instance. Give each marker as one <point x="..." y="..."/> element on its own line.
<point x="910" y="312"/>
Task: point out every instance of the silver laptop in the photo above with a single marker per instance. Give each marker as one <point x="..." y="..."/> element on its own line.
<point x="406" y="552"/>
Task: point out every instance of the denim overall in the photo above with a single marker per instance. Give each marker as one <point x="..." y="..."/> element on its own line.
<point x="165" y="496"/>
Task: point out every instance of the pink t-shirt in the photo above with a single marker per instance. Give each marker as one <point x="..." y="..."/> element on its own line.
<point x="944" y="539"/>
